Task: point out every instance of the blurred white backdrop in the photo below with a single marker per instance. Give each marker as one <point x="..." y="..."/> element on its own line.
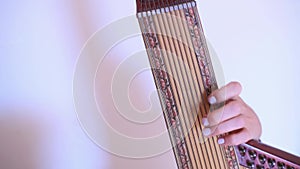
<point x="257" y="43"/>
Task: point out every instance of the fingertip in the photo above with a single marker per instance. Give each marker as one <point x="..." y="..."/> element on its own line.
<point x="221" y="141"/>
<point x="205" y="122"/>
<point x="237" y="86"/>
<point x="206" y="131"/>
<point x="212" y="100"/>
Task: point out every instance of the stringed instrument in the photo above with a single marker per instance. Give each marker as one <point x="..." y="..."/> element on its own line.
<point x="184" y="76"/>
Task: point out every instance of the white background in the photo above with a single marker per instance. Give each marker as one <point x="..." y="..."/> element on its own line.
<point x="257" y="43"/>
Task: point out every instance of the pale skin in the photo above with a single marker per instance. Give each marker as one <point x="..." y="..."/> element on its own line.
<point x="235" y="117"/>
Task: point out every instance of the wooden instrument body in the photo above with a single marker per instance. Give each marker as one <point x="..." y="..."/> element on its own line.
<point x="184" y="77"/>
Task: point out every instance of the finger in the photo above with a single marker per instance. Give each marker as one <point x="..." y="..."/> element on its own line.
<point x="229" y="91"/>
<point x="230" y="125"/>
<point x="230" y="110"/>
<point x="235" y="138"/>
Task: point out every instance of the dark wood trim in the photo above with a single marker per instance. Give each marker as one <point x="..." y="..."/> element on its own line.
<point x="148" y="5"/>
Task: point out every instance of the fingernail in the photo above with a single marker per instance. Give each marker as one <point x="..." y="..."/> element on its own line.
<point x="205" y="122"/>
<point x="221" y="141"/>
<point x="212" y="100"/>
<point x="206" y="131"/>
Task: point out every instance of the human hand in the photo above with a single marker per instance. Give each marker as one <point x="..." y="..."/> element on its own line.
<point x="235" y="117"/>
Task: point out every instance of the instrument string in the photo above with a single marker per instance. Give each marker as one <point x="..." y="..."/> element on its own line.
<point x="179" y="68"/>
<point x="180" y="158"/>
<point x="213" y="146"/>
<point x="185" y="79"/>
<point x="194" y="83"/>
<point x="203" y="43"/>
<point x="190" y="83"/>
<point x="174" y="37"/>
<point x="198" y="117"/>
<point x="177" y="48"/>
<point x="165" y="45"/>
<point x="210" y="146"/>
<point x="198" y="97"/>
<point x="187" y="70"/>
